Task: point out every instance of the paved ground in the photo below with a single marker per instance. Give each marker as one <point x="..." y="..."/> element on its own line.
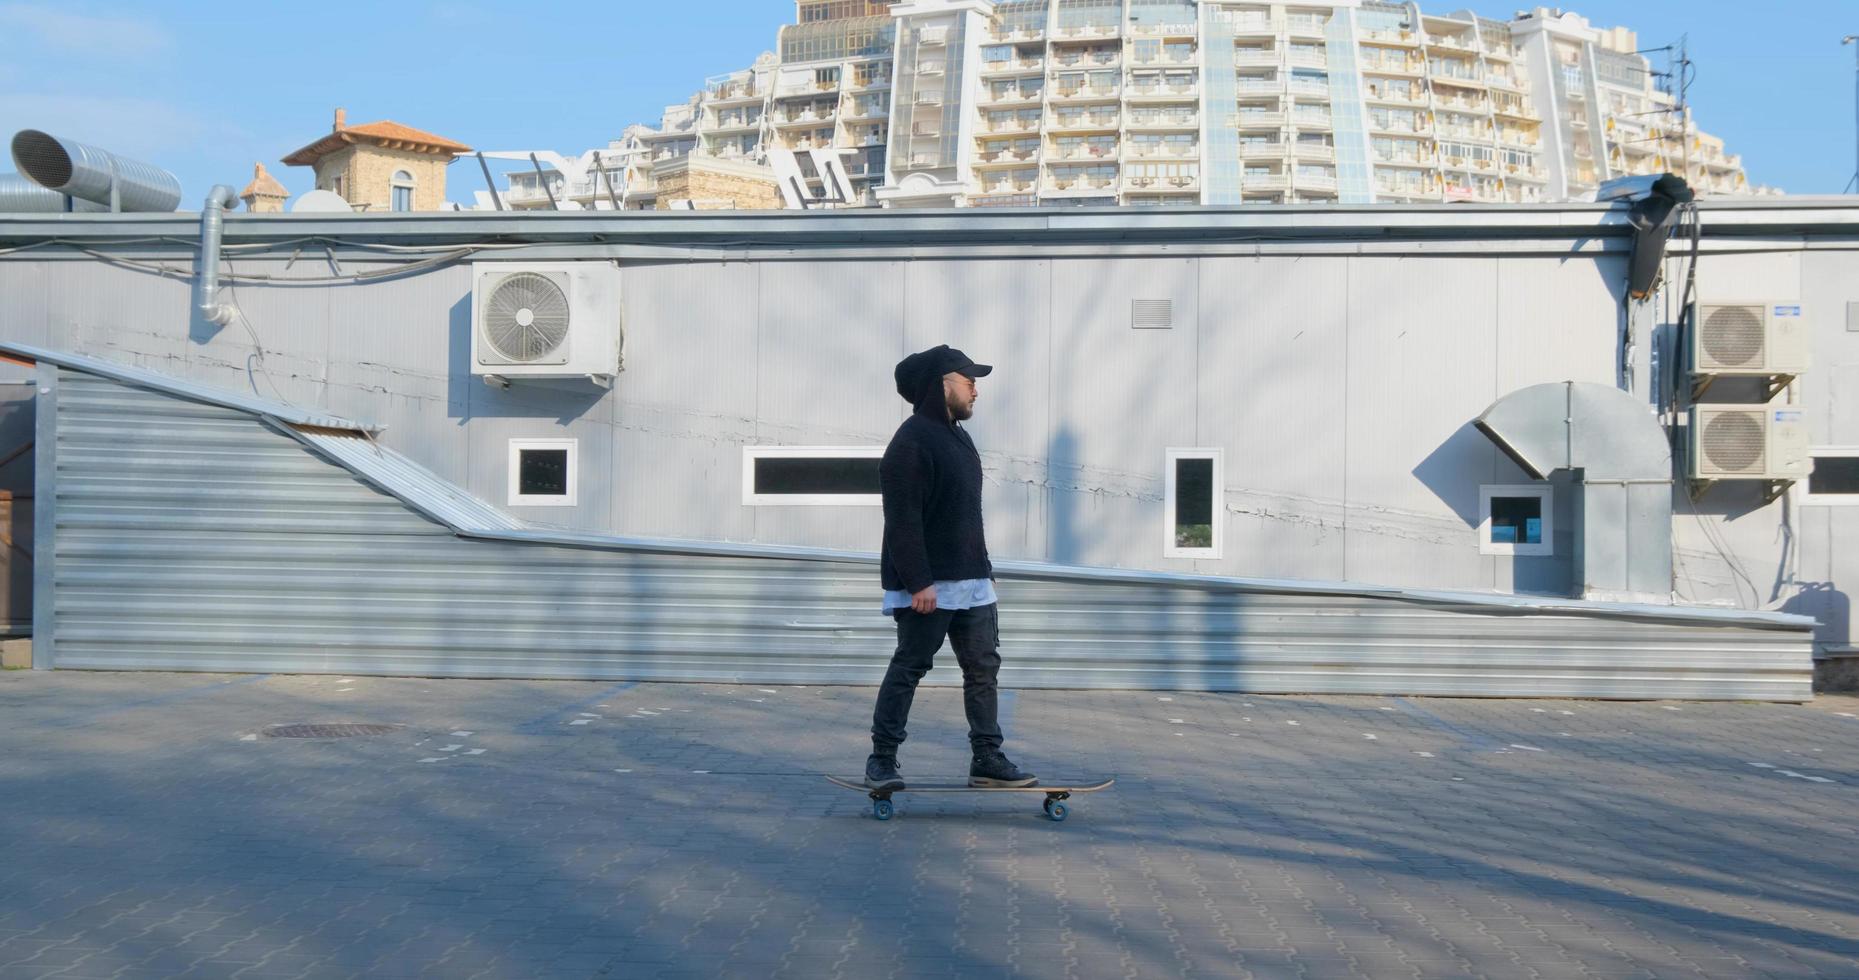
<point x="530" y="829"/>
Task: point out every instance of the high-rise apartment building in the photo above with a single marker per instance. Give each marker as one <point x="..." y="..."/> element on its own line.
<point x="1053" y="102"/>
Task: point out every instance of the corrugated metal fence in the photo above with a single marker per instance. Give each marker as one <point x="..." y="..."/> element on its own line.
<point x="193" y="536"/>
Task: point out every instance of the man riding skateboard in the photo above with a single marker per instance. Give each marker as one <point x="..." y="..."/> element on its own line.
<point x="937" y="580"/>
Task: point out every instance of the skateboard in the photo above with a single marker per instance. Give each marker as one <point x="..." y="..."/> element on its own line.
<point x="1056" y="793"/>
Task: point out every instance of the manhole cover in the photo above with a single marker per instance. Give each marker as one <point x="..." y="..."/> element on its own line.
<point x="329" y="731"/>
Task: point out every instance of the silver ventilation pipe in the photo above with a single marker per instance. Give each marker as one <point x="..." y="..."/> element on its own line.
<point x="19" y="195"/>
<point x="99" y="176"/>
<point x="206" y="283"/>
<point x="1622" y="462"/>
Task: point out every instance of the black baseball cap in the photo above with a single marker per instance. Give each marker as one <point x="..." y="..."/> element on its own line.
<point x="914" y="373"/>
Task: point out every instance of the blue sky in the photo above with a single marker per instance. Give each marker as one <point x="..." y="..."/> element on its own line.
<point x="207" y="88"/>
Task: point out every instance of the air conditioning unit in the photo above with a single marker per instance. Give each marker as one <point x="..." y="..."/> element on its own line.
<point x="545" y="320"/>
<point x="1752" y="339"/>
<point x="1749" y="442"/>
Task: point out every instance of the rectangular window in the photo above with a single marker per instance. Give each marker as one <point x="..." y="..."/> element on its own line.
<point x="1194" y="493"/>
<point x="1516" y="520"/>
<point x="816" y="475"/>
<point x="1835" y="479"/>
<point x="543" y="472"/>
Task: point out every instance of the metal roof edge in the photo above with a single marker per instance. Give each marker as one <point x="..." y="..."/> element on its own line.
<point x="782" y="228"/>
<point x="193" y="391"/>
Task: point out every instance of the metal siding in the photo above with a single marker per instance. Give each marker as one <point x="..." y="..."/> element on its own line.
<point x="1420" y="351"/>
<point x="998" y="314"/>
<point x="1272" y="396"/>
<point x="827" y="337"/>
<point x="1120" y="396"/>
<point x="401" y="349"/>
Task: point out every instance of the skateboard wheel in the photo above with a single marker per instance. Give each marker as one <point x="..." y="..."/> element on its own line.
<point x="881" y="809"/>
<point x="1055" y="810"/>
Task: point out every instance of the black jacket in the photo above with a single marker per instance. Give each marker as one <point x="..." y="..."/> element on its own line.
<point x="931" y="477"/>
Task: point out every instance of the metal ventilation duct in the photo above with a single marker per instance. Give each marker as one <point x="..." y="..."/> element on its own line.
<point x="1619" y="454"/>
<point x="92" y="174"/>
<point x="19" y="195"/>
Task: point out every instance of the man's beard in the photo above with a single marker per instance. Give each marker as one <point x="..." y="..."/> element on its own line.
<point x="960" y="413"/>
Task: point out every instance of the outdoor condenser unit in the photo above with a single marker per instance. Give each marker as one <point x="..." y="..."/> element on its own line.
<point x="1750" y="339"/>
<point x="1748" y="442"/>
<point x="543" y="320"/>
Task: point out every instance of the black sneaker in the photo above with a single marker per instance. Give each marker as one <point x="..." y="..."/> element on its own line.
<point x="993" y="769"/>
<point x="881" y="773"/>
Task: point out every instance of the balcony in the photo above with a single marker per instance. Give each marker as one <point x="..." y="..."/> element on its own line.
<point x="1153" y="120"/>
<point x="1177" y="92"/>
<point x="1405" y="39"/>
<point x="1310" y="150"/>
<point x="1397" y="125"/>
<point x="925" y="129"/>
<point x="1273" y="150"/>
<point x="1392" y="66"/>
<point x="1306" y="26"/>
<point x="1021" y="33"/>
<point x="1083" y="151"/>
<point x="1014" y="66"/>
<point x="1311" y="120"/>
<point x="1150" y="150"/>
<point x="866" y="110"/>
<point x="1403" y="158"/>
<point x="1308" y="59"/>
<point x="1306" y="87"/>
<point x="1011" y="125"/>
<point x="1174" y="184"/>
<point x="1005" y="155"/>
<point x="1260" y="86"/>
<point x="1255" y="120"/>
<point x="1451" y="42"/>
<point x="1458" y="103"/>
<point x="1165" y="30"/>
<point x="1166" y="58"/>
<point x="1084" y="93"/>
<point x="1243" y="26"/>
<point x="1078" y="31"/>
<point x="1412" y="97"/>
<point x="1083" y="122"/>
<point x="1314" y="181"/>
<point x="1081" y="60"/>
<point x="1522" y="109"/>
<point x="1245" y="58"/>
<point x="734" y="92"/>
<point x="1079" y="184"/>
<point x="1263" y="182"/>
<point x="1010" y="95"/>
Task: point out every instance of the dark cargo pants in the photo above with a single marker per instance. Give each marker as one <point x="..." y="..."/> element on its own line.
<point x="975" y="635"/>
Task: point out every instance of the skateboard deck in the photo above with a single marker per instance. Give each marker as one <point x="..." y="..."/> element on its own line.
<point x="1056" y="792"/>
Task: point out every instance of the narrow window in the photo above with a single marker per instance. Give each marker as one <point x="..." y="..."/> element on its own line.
<point x="1516" y="520"/>
<point x="1193" y="494"/>
<point x="403" y="191"/>
<point x="813" y="475"/>
<point x="1835" y="479"/>
<point x="543" y="472"/>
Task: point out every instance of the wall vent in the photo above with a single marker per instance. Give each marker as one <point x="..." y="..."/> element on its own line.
<point x="1152" y="314"/>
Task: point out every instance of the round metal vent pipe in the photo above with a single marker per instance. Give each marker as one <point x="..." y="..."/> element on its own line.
<point x="92" y="174"/>
<point x="19" y="195"/>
